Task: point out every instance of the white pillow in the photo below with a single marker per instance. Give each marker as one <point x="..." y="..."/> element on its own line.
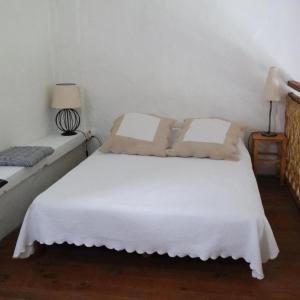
<point x="210" y="138"/>
<point x="141" y="134"/>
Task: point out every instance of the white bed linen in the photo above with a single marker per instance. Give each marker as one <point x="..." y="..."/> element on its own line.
<point x="180" y="206"/>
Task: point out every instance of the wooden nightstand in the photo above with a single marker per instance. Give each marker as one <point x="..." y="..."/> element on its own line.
<point x="278" y="157"/>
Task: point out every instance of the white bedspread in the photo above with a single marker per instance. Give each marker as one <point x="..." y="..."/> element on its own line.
<point x="180" y="206"/>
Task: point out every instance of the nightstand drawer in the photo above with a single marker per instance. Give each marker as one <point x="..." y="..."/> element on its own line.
<point x="265" y="157"/>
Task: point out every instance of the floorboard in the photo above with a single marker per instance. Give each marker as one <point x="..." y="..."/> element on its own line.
<point x="70" y="272"/>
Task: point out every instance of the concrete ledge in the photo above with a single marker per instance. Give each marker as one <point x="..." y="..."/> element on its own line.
<point x="61" y="145"/>
<point x="25" y="184"/>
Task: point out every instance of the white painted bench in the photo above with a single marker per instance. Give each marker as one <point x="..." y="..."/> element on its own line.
<point x="24" y="184"/>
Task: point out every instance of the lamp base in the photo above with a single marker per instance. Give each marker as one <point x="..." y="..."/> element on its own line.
<point x="268" y="134"/>
<point x="68" y="133"/>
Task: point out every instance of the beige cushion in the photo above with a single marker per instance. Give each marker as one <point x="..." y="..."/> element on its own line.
<point x="211" y="138"/>
<point x="141" y="134"/>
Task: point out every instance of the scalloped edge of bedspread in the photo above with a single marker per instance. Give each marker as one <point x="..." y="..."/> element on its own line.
<point x="116" y="245"/>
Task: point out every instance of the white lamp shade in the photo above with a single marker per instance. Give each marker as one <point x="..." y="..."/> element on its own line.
<point x="272" y="86"/>
<point x="66" y="95"/>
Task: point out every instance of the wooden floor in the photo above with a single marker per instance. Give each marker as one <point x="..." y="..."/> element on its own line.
<point x="69" y="272"/>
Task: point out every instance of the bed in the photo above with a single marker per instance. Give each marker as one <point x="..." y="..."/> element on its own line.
<point x="194" y="207"/>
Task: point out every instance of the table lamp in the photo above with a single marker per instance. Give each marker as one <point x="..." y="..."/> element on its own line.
<point x="271" y="94"/>
<point x="66" y="97"/>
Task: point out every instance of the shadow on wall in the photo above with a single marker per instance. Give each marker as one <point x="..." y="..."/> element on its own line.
<point x="166" y="58"/>
<point x="193" y="78"/>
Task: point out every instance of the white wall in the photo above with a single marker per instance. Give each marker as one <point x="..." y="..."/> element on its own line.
<point x="174" y="57"/>
<point x="178" y="58"/>
<point x="25" y="71"/>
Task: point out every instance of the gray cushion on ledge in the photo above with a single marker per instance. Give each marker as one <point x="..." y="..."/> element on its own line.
<point x="26" y="156"/>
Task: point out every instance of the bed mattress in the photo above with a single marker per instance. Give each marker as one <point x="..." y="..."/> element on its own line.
<point x="180" y="206"/>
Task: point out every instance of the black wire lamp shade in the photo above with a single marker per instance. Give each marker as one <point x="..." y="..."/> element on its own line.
<point x="66" y="97"/>
<point x="67" y="120"/>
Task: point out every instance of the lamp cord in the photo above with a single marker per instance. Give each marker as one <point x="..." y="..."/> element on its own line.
<point x="87" y="139"/>
<point x="270" y="115"/>
<point x="99" y="139"/>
